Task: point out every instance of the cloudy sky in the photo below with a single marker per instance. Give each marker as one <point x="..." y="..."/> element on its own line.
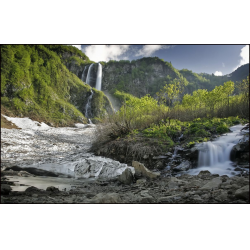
<point x="217" y="59"/>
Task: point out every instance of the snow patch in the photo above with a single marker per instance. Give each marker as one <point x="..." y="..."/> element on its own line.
<point x="27" y="123"/>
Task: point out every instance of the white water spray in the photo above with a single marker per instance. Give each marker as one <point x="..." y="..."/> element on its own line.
<point x="98" y="85"/>
<point x="88" y="75"/>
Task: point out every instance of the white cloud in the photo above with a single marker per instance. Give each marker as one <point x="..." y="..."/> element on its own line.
<point x="223" y="65"/>
<point x="244" y="54"/>
<point x="105" y="52"/>
<point x="218" y="73"/>
<point x="148" y="50"/>
<point x="77" y="46"/>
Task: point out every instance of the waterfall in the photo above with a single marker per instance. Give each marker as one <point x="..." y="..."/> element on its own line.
<point x="88" y="113"/>
<point x="214" y="153"/>
<point x="83" y="73"/>
<point x="214" y="156"/>
<point x="88" y="75"/>
<point x="98" y="85"/>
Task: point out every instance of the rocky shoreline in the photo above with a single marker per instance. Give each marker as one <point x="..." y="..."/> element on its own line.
<point x="204" y="188"/>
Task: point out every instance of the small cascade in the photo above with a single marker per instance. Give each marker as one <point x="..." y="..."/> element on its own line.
<point x="214" y="153"/>
<point x="88" y="75"/>
<point x="214" y="156"/>
<point x="83" y="74"/>
<point x="88" y="113"/>
<point x="98" y="85"/>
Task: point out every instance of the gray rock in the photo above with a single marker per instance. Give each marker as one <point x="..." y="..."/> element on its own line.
<point x="173" y="185"/>
<point x="243" y="193"/>
<point x="5" y="189"/>
<point x="222" y="196"/>
<point x="140" y="169"/>
<point x="169" y="199"/>
<point x="141" y="181"/>
<point x="197" y="198"/>
<point x="126" y="177"/>
<point x="147" y="199"/>
<point x="204" y="173"/>
<point x="106" y="198"/>
<point x="194" y="183"/>
<point x="184" y="166"/>
<point x="52" y="189"/>
<point x="214" y="183"/>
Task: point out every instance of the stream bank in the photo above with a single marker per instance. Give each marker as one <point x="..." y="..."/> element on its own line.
<point x="60" y="153"/>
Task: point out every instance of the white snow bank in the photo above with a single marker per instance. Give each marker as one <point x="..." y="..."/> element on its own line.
<point x="27" y="123"/>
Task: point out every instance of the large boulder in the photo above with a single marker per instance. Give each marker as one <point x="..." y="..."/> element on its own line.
<point x="140" y="169"/>
<point x="99" y="167"/>
<point x="126" y="177"/>
<point x="242" y="193"/>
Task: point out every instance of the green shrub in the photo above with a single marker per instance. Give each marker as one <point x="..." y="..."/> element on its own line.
<point x="222" y="129"/>
<point x="201" y="132"/>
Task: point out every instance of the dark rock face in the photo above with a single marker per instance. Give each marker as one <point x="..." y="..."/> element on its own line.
<point x="240" y="152"/>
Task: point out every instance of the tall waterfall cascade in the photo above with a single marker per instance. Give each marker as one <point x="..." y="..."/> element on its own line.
<point x="88" y="75"/>
<point x="88" y="113"/>
<point x="83" y="73"/>
<point x="98" y="85"/>
<point x="214" y="156"/>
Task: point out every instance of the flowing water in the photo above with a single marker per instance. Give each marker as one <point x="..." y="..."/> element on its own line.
<point x="88" y="113"/>
<point x="98" y="85"/>
<point x="88" y="75"/>
<point x="83" y="74"/>
<point x="214" y="156"/>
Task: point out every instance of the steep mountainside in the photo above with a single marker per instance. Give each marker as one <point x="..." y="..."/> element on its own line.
<point x="149" y="75"/>
<point x="36" y="83"/>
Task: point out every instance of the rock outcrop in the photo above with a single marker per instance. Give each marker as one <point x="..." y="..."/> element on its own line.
<point x="140" y="169"/>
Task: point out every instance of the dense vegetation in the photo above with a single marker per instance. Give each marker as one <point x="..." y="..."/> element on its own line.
<point x="149" y="75"/>
<point x="197" y="116"/>
<point x="36" y="83"/>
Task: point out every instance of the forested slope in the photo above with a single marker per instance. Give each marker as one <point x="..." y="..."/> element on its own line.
<point x="36" y="83"/>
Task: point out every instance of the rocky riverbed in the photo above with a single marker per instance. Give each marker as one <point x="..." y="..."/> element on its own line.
<point x="202" y="188"/>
